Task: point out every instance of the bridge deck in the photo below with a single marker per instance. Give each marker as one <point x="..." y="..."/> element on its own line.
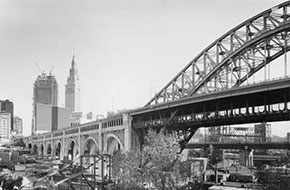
<point x="262" y="102"/>
<point x="270" y="145"/>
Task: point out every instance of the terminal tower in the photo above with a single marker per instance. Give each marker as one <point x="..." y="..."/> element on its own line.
<point x="72" y="92"/>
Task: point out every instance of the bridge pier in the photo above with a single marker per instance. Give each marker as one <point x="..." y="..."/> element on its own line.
<point x="246" y="158"/>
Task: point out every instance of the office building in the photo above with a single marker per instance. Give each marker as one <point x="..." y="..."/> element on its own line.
<point x="50" y="118"/>
<point x="18" y="125"/>
<point x="7" y="106"/>
<point x="5" y="123"/>
<point x="45" y="92"/>
<point x="60" y="118"/>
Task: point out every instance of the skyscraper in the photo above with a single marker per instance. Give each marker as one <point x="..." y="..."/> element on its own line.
<point x="7" y="106"/>
<point x="45" y="92"/>
<point x="72" y="89"/>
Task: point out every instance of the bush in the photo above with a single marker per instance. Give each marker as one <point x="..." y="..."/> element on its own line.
<point x="10" y="181"/>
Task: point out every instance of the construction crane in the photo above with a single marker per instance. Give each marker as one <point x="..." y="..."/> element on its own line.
<point x="51" y="69"/>
<point x="41" y="71"/>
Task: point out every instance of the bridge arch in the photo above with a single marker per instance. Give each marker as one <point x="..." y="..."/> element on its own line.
<point x="42" y="150"/>
<point x="113" y="144"/>
<point x="72" y="149"/>
<point x="233" y="58"/>
<point x="29" y="146"/>
<point x="58" y="150"/>
<point x="34" y="149"/>
<point x="48" y="149"/>
<point x="90" y="146"/>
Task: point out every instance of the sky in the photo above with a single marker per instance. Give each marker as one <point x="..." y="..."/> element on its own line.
<point x="125" y="50"/>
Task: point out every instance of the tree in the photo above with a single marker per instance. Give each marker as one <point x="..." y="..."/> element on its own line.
<point x="9" y="181"/>
<point x="153" y="166"/>
<point x="128" y="173"/>
<point x="160" y="154"/>
<point x="271" y="181"/>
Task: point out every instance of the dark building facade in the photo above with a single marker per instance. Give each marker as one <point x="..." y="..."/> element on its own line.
<point x="45" y="90"/>
<point x="8" y="106"/>
<point x="60" y="118"/>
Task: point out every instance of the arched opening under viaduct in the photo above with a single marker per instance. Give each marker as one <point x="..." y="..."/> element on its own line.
<point x="41" y="149"/>
<point x="48" y="150"/>
<point x="58" y="153"/>
<point x="29" y="146"/>
<point x="72" y="150"/>
<point x="114" y="145"/>
<point x="90" y="148"/>
<point x="34" y="149"/>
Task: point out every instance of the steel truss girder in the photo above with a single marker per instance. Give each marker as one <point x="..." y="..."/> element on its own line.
<point x="232" y="58"/>
<point x="187" y="135"/>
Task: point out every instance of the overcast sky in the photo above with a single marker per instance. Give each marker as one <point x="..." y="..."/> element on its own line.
<point x="125" y="50"/>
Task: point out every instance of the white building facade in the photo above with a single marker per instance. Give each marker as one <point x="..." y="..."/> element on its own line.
<point x="5" y="122"/>
<point x="72" y="94"/>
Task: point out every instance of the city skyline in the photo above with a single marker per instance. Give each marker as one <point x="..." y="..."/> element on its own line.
<point x="125" y="51"/>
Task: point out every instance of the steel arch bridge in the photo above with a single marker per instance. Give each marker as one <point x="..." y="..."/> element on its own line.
<point x="233" y="58"/>
<point x="201" y="94"/>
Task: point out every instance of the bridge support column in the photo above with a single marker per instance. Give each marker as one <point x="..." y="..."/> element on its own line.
<point x="253" y="109"/>
<point x="127" y="120"/>
<point x="44" y="148"/>
<point x="285" y="100"/>
<point x="63" y="147"/>
<point x="265" y="104"/>
<point x="51" y="148"/>
<point x="217" y="110"/>
<point x="247" y="106"/>
<point x="101" y="149"/>
<point x="80" y="142"/>
<point x="231" y="108"/>
<point x="246" y="158"/>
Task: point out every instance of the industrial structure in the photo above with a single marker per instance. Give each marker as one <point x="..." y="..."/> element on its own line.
<point x="260" y="133"/>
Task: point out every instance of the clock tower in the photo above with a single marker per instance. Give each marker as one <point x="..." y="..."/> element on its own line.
<point x="72" y="89"/>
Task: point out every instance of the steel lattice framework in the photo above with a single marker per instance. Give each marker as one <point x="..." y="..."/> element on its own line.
<point x="234" y="57"/>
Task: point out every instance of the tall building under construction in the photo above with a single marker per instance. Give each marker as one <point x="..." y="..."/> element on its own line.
<point x="45" y="91"/>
